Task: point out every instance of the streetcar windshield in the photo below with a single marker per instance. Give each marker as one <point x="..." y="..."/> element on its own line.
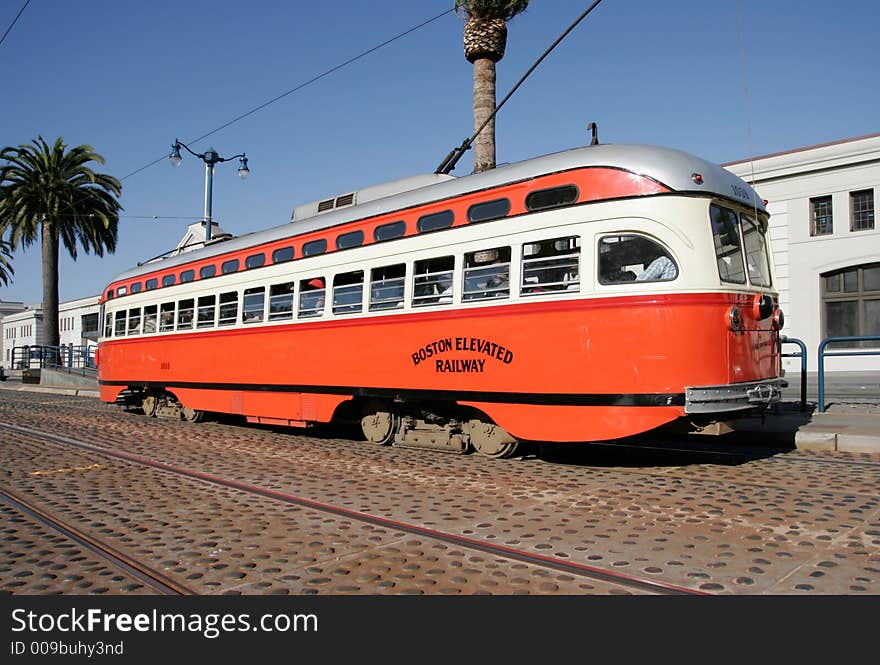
<point x="756" y="251"/>
<point x="737" y="237"/>
<point x="728" y="246"/>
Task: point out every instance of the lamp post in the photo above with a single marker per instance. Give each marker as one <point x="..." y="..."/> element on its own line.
<point x="210" y="157"/>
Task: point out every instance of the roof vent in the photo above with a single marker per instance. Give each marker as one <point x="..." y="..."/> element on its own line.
<point x="344" y="200"/>
<point x="338" y="202"/>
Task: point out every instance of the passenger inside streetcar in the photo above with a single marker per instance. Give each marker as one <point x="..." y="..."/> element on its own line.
<point x="631" y="258"/>
<point x="659" y="269"/>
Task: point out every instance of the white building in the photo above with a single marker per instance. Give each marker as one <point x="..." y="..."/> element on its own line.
<point x="9" y="307"/>
<point x="77" y="323"/>
<point x="22" y="328"/>
<point x="826" y="244"/>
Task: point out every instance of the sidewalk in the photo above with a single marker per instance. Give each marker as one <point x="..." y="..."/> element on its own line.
<point x="845" y="428"/>
<point x="56" y="383"/>
<point x="850" y="423"/>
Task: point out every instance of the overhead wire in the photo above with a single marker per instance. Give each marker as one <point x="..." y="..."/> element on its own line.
<point x="298" y="87"/>
<point x="15" y="20"/>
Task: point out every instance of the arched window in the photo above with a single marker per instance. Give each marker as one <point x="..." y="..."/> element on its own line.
<point x="851" y="303"/>
<point x="634" y="258"/>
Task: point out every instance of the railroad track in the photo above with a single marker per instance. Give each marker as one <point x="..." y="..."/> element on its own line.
<point x="514" y="554"/>
<point x="154" y="579"/>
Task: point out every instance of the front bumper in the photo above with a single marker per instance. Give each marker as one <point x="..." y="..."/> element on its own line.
<point x="733" y="396"/>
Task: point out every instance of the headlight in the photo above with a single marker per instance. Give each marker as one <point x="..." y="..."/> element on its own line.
<point x="735" y="319"/>
<point x="778" y="319"/>
<point x="762" y="307"/>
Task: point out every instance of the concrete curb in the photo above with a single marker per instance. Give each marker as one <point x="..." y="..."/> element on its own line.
<point x="815" y="440"/>
<point x="72" y="392"/>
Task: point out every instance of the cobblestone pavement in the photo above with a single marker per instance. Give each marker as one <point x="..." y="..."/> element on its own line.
<point x="729" y="518"/>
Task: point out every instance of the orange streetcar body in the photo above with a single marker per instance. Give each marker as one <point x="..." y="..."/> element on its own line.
<point x="589" y="295"/>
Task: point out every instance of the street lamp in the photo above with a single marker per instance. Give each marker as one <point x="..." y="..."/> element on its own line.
<point x="210" y="157"/>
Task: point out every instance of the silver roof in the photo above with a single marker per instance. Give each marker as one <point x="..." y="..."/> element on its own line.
<point x="673" y="168"/>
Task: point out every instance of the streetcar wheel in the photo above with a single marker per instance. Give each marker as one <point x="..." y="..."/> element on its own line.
<point x="192" y="415"/>
<point x="379" y="426"/>
<point x="149" y="405"/>
<point x="491" y="441"/>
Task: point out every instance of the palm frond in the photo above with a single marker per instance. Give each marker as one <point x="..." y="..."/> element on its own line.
<point x="486" y="9"/>
<point x="6" y="270"/>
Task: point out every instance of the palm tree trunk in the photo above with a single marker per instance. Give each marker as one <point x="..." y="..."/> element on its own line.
<point x="50" y="283"/>
<point x="484" y="106"/>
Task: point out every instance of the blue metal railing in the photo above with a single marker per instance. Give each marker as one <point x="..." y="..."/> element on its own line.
<point x="74" y="359"/>
<point x="802" y="354"/>
<point x="848" y="352"/>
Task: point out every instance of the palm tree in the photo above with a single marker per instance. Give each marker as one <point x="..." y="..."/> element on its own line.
<point x="485" y="37"/>
<point x="50" y="193"/>
<point x="5" y="266"/>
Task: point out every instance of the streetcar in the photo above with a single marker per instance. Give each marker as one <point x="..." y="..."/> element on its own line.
<point x="588" y="295"/>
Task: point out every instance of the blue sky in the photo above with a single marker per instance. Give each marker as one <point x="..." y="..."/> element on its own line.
<point x="723" y="79"/>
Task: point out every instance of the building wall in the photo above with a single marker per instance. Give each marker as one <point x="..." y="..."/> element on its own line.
<point x="788" y="181"/>
<point x="71" y="318"/>
<point x="23" y="328"/>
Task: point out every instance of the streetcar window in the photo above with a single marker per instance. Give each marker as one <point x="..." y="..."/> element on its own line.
<point x="315" y="247"/>
<point x="756" y="251"/>
<point x="134" y="321"/>
<point x="487" y="274"/>
<point x="253" y="305"/>
<point x="728" y="252"/>
<point x="207" y="312"/>
<point x="348" y="292"/>
<point x="386" y="287"/>
<point x="435" y="221"/>
<point x="187" y="276"/>
<point x="281" y="301"/>
<point x="311" y="297"/>
<point x="255" y="261"/>
<point x="168" y="280"/>
<point x="108" y="325"/>
<point x="185" y="314"/>
<point x="119" y="328"/>
<point x="634" y="258"/>
<point x="109" y="294"/>
<point x="228" y="308"/>
<point x="353" y="239"/>
<point x="487" y="210"/>
<point x="150" y="315"/>
<point x="166" y="316"/>
<point x="137" y="287"/>
<point x="152" y="284"/>
<point x="207" y="271"/>
<point x="432" y="281"/>
<point x="229" y="266"/>
<point x="389" y="231"/>
<point x="551" y="265"/>
<point x="554" y="197"/>
<point x="121" y="291"/>
<point x="282" y="254"/>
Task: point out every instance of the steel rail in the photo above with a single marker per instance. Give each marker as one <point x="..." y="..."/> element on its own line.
<point x="523" y="556"/>
<point x="152" y="578"/>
